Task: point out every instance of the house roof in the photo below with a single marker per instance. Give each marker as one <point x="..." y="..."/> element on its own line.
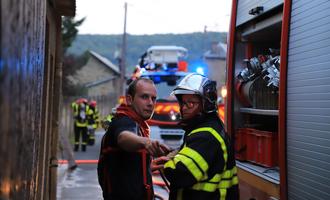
<point x="105" y="61"/>
<point x="218" y="52"/>
<point x="99" y="82"/>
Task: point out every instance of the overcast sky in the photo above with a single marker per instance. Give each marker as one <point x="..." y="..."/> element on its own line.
<point x="153" y="16"/>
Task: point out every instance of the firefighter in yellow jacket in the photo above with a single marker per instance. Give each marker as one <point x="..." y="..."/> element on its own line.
<point x="94" y="123"/>
<point x="105" y="123"/>
<point x="204" y="167"/>
<point x="83" y="115"/>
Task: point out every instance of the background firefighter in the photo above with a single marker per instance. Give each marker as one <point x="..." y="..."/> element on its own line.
<point x="94" y="123"/>
<point x="82" y="115"/>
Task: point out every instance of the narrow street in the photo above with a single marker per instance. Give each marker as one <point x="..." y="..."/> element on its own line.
<point x="82" y="182"/>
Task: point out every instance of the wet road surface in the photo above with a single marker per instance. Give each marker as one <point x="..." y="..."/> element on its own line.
<point x="82" y="182"/>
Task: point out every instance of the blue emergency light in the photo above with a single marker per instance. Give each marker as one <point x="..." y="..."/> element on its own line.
<point x="200" y="70"/>
<point x="157" y="79"/>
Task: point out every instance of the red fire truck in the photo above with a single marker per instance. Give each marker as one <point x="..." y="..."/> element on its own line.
<point x="278" y="102"/>
<point x="166" y="66"/>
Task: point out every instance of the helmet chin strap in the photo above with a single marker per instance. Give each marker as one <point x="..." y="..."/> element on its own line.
<point x="205" y="109"/>
<point x="200" y="114"/>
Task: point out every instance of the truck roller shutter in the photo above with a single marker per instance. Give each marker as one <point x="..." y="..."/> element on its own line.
<point x="308" y="101"/>
<point x="244" y="7"/>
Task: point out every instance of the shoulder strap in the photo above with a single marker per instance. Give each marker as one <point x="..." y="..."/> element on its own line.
<point x="137" y="130"/>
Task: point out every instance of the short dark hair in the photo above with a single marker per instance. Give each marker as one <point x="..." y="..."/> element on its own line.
<point x="131" y="90"/>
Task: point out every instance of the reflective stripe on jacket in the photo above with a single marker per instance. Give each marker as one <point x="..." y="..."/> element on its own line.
<point x="88" y="116"/>
<point x="95" y="117"/>
<point x="198" y="167"/>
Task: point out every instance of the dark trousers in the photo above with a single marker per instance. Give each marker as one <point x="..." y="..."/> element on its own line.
<point x="80" y="131"/>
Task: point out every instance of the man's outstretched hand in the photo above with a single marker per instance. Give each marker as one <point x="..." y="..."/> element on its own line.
<point x="155" y="148"/>
<point x="158" y="163"/>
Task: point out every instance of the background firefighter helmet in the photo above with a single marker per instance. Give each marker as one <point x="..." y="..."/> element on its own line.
<point x="92" y="103"/>
<point x="82" y="100"/>
<point x="200" y="85"/>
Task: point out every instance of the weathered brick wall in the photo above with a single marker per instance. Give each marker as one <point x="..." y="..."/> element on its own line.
<point x="21" y="84"/>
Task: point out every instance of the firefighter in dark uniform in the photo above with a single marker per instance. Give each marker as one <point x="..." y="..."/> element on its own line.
<point x="204" y="167"/>
<point x="124" y="167"/>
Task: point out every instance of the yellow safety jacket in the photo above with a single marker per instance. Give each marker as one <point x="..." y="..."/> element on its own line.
<point x="82" y="116"/>
<point x="96" y="117"/>
<point x="109" y="117"/>
<point x="74" y="106"/>
<point x="204" y="168"/>
<point x="106" y="121"/>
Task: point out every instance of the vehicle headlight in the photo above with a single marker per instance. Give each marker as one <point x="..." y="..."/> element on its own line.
<point x="173" y="117"/>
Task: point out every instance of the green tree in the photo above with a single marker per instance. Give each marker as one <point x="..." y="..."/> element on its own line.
<point x="71" y="63"/>
<point x="69" y="31"/>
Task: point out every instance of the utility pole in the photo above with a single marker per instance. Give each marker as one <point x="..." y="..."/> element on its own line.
<point x="123" y="57"/>
<point x="205" y="45"/>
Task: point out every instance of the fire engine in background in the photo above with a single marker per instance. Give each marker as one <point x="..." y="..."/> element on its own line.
<point x="278" y="103"/>
<point x="166" y="66"/>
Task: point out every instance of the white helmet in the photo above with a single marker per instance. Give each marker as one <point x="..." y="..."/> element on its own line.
<point x="200" y="85"/>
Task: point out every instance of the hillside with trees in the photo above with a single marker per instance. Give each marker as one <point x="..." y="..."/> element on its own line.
<point x="109" y="45"/>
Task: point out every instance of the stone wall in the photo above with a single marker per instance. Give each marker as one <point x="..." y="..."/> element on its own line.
<point x="217" y="71"/>
<point x="94" y="71"/>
